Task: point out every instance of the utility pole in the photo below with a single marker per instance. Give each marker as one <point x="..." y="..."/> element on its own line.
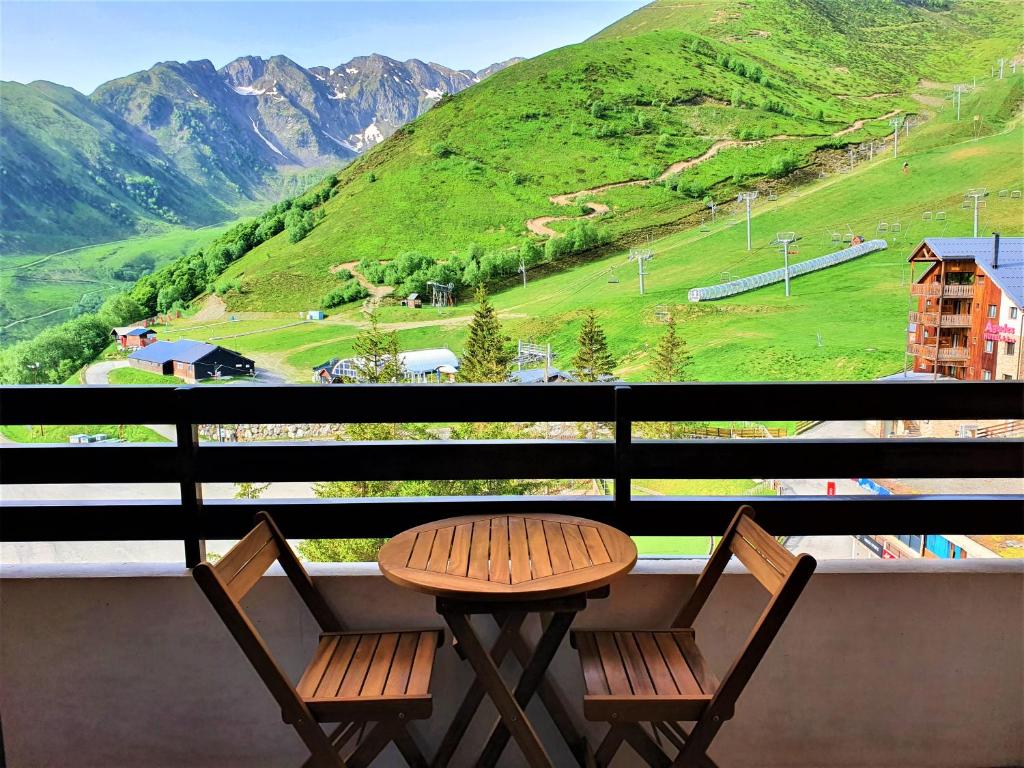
<point x="640" y="255"/>
<point x="522" y="268"/>
<point x="957" y="90"/>
<point x="895" y="123"/>
<point x="714" y="207"/>
<point x="785" y="238"/>
<point x="978" y="196"/>
<point x="1002" y="63"/>
<point x="748" y="198"/>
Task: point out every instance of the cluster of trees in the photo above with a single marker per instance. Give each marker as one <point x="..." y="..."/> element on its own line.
<point x="752" y="72"/>
<point x="57" y="352"/>
<point x="410" y="272"/>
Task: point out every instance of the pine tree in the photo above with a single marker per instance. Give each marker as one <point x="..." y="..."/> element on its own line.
<point x="487" y="357"/>
<point x="593" y="360"/>
<point x="670" y="357"/>
<point x="376" y="358"/>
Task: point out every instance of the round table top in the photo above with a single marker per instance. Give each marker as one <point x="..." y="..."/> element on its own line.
<point x="507" y="557"/>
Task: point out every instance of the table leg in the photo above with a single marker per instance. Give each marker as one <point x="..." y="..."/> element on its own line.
<point x="552" y="701"/>
<point x="510" y="626"/>
<point x="547" y="647"/>
<point x="508" y="707"/>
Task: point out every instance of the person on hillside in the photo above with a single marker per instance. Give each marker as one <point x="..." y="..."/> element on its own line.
<point x="906" y="167"/>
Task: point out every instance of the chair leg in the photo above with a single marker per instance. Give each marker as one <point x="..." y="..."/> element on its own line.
<point x="409" y="748"/>
<point x="644" y="746"/>
<point x="694" y="752"/>
<point x="608" y="747"/>
<point x="372" y="745"/>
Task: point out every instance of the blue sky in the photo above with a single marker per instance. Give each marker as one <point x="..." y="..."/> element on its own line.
<point x="83" y="44"/>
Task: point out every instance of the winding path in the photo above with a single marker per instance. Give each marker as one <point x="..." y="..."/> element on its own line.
<point x="539" y="225"/>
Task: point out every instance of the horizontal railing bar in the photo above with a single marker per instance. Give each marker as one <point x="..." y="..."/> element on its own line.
<point x="405" y="460"/>
<point x="369" y="403"/>
<point x="644" y="516"/>
<point x="515" y="459"/>
<point x="49" y="464"/>
<point x="806" y="459"/>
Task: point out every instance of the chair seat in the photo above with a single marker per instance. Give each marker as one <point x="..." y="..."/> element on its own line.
<point x="360" y="676"/>
<point x="640" y="676"/>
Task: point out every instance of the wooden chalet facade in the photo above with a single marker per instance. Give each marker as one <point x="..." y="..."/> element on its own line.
<point x="970" y="308"/>
<point x="132" y="336"/>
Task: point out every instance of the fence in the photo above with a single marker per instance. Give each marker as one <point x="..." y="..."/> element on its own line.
<point x="189" y="463"/>
<point x="720" y="291"/>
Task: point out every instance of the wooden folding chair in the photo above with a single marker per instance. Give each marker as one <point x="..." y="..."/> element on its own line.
<point x="660" y="677"/>
<point x="354" y="678"/>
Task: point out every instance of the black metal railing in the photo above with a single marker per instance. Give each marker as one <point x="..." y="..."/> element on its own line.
<point x="190" y="463"/>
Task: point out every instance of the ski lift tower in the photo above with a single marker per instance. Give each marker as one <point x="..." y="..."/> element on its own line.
<point x="748" y="198"/>
<point x="977" y="198"/>
<point x="641" y="255"/>
<point x="441" y="294"/>
<point x="895" y="123"/>
<point x="784" y="239"/>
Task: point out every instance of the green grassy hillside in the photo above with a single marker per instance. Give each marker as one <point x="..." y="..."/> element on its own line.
<point x="666" y="84"/>
<point x="847" y="322"/>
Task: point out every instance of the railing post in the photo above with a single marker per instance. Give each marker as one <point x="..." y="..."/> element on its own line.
<point x="623" y="439"/>
<point x="187" y="435"/>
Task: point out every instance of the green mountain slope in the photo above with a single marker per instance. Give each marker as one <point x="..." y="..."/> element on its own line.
<point x="761" y="88"/>
<point x="71" y="171"/>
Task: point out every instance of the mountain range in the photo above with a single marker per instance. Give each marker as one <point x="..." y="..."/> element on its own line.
<point x="187" y="143"/>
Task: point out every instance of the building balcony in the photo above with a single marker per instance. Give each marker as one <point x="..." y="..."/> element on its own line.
<point x="924" y="318"/>
<point x="926" y="289"/>
<point x="951" y="355"/>
<point x="126" y="664"/>
<point x="957" y="291"/>
<point x="931" y="319"/>
<point x="955" y="321"/>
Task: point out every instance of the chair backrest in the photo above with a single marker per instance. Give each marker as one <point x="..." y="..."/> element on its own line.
<point x="228" y="581"/>
<point x="783" y="574"/>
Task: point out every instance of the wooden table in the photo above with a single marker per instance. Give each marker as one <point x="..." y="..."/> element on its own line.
<point x="509" y="566"/>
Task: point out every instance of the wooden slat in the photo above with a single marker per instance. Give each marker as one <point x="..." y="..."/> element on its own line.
<point x="438" y="561"/>
<point x="458" y="561"/>
<point x="639" y="679"/>
<point x="574" y="543"/>
<point x="664" y="685"/>
<point x="595" y="545"/>
<point x="767" y="545"/>
<point x="479" y="551"/>
<point x="762" y="570"/>
<point x="336" y="668"/>
<point x="253" y="571"/>
<point x="401" y="665"/>
<point x="590" y="659"/>
<point x="352" y="683"/>
<point x="695" y="659"/>
<point x="560" y="562"/>
<point x="422" y="663"/>
<point x="236" y="557"/>
<point x="519" y="551"/>
<point x="677" y="666"/>
<point x="611" y="661"/>
<point x="380" y="665"/>
<point x="421" y="549"/>
<point x="540" y="560"/>
<point x="314" y="673"/>
<point x="500" y="573"/>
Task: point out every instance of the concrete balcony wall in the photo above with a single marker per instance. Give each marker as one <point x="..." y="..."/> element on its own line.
<point x="881" y="664"/>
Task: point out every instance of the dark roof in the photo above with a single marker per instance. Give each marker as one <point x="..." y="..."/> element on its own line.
<point x="181" y="351"/>
<point x="325" y="366"/>
<point x="1009" y="275"/>
<point x="140" y="332"/>
<point x="536" y="375"/>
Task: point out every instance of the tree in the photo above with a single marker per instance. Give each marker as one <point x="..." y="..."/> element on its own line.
<point x="670" y="357"/>
<point x="592" y="361"/>
<point x="376" y="358"/>
<point x="670" y="363"/>
<point x="486" y="357"/>
<point x="121" y="309"/>
<point x="167" y="296"/>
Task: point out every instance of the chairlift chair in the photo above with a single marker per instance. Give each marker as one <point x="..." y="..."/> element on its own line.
<point x="613" y="278"/>
<point x="940" y="215"/>
<point x="894" y="227"/>
<point x="883" y="226"/>
<point x="837" y="237"/>
<point x="926" y="216"/>
<point x="1015" y="194"/>
<point x="1004" y="193"/>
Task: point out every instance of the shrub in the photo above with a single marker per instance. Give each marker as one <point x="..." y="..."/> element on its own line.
<point x="442" y="150"/>
<point x="782" y="165"/>
<point x="599" y="110"/>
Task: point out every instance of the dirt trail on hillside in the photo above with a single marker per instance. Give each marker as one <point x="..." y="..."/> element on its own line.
<point x="539" y="225"/>
<point x="213" y="308"/>
<point x="377" y="292"/>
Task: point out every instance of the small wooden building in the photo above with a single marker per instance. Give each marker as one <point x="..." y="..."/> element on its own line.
<point x="130" y="337"/>
<point x="191" y="360"/>
<point x="412" y="301"/>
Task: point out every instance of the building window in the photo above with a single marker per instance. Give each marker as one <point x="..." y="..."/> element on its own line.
<point x="1007" y="377"/>
<point x="993" y="310"/>
<point x="1011" y="347"/>
<point x="1013" y="313"/>
<point x="986" y="375"/>
<point x="989" y="347"/>
<point x="981" y="278"/>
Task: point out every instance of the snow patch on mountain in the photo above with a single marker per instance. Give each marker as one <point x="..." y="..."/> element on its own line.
<point x="265" y="139"/>
<point x="246" y="90"/>
<point x="430" y="93"/>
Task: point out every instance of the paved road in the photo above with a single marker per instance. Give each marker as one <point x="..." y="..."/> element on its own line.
<point x="99" y="373"/>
